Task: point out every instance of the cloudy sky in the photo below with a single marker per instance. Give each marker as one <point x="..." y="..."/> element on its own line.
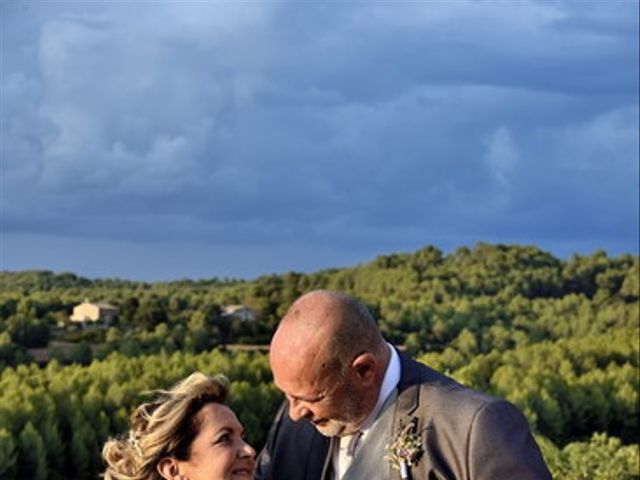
<point x="162" y="140"/>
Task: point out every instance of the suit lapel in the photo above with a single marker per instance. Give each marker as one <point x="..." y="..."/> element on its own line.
<point x="327" y="469"/>
<point x="411" y="404"/>
<point x="406" y="404"/>
<point x="369" y="461"/>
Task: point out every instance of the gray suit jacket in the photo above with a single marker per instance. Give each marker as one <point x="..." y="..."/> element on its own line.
<point x="466" y="435"/>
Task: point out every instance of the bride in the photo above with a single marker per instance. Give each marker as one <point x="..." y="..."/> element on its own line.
<point x="186" y="433"/>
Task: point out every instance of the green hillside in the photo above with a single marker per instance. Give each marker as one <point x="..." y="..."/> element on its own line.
<point x="560" y="338"/>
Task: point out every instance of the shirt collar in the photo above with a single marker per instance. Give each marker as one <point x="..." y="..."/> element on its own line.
<point x="389" y="384"/>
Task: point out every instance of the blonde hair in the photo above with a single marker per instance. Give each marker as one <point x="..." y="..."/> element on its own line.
<point x="164" y="427"/>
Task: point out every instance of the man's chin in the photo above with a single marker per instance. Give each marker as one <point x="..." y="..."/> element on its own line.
<point x="329" y="429"/>
<point x="332" y="429"/>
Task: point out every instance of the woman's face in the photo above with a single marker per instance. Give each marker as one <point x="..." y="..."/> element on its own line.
<point x="219" y="452"/>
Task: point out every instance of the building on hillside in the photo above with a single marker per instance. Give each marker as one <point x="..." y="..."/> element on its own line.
<point x="241" y="312"/>
<point x="88" y="312"/>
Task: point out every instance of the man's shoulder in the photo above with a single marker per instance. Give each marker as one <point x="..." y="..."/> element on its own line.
<point x="414" y="373"/>
<point x="433" y="391"/>
<point x="466" y="428"/>
<point x="456" y="398"/>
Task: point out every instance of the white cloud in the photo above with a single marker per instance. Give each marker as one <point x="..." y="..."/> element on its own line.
<point x="605" y="142"/>
<point x="502" y="155"/>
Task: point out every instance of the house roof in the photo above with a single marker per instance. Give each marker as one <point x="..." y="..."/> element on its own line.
<point x="101" y="305"/>
<point x="235" y="308"/>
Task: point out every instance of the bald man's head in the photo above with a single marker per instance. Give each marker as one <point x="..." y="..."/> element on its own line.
<point x="328" y="358"/>
<point x="326" y="326"/>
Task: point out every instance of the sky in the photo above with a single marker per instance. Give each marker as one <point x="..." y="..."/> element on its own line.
<point x="158" y="140"/>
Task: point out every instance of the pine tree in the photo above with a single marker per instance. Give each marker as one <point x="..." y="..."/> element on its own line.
<point x="33" y="456"/>
<point x="7" y="454"/>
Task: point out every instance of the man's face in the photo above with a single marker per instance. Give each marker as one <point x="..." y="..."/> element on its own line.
<point x="331" y="403"/>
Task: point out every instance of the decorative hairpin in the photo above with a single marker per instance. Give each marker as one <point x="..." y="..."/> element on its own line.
<point x="133" y="440"/>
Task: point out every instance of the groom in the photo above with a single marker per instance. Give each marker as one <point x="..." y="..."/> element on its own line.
<point x="356" y="409"/>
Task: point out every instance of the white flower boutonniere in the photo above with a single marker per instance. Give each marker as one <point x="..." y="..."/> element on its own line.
<point x="406" y="448"/>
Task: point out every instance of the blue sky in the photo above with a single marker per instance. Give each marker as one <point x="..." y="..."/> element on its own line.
<point x="164" y="140"/>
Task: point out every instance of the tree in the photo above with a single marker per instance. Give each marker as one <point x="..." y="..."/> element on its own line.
<point x="29" y="332"/>
<point x="80" y="353"/>
<point x="7" y="454"/>
<point x="150" y="313"/>
<point x="33" y="464"/>
<point x="82" y="445"/>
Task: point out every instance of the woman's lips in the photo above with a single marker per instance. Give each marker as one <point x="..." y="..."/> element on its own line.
<point x="244" y="470"/>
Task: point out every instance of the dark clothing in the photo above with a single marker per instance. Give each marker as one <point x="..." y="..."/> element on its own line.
<point x="466" y="435"/>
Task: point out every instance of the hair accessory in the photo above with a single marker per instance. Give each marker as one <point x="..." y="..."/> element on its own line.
<point x="133" y="440"/>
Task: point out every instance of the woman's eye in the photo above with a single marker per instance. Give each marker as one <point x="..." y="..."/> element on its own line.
<point x="223" y="438"/>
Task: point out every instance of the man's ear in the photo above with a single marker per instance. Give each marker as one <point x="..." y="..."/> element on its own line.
<point x="168" y="468"/>
<point x="365" y="367"/>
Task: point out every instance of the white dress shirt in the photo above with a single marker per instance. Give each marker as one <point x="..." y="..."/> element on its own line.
<point x="347" y="446"/>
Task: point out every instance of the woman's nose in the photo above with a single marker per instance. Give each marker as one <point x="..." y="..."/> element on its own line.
<point x="247" y="450"/>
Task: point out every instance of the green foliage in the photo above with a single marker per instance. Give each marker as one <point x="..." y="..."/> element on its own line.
<point x="559" y="338"/>
<point x="80" y="353"/>
<point x="32" y="458"/>
<point x="7" y="454"/>
<point x="567" y="388"/>
<point x="11" y="354"/>
<point x="600" y="458"/>
<point x="28" y="332"/>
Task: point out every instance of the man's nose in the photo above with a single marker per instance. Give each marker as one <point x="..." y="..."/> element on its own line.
<point x="297" y="410"/>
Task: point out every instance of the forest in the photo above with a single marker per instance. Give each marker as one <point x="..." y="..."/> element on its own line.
<point x="560" y="338"/>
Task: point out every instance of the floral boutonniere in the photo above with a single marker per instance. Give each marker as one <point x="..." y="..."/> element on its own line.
<point x="406" y="448"/>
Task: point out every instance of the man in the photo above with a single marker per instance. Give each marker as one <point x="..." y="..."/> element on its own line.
<point x="357" y="409"/>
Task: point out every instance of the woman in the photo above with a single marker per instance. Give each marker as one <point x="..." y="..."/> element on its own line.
<point x="187" y="433"/>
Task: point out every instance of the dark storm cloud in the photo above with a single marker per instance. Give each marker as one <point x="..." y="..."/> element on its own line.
<point x="368" y="126"/>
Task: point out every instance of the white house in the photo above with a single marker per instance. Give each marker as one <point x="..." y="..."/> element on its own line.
<point x="241" y="312"/>
<point x="93" y="312"/>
